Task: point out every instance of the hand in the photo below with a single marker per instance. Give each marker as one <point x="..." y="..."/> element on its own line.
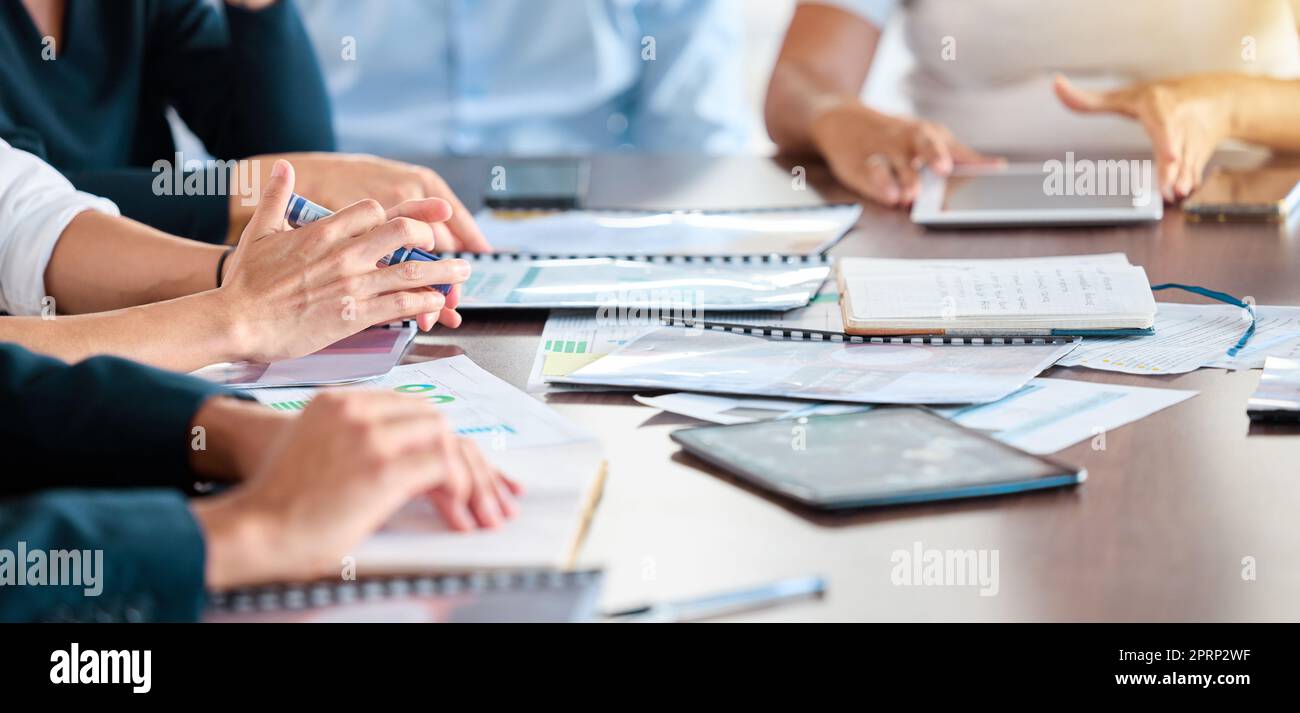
<point x="1184" y="118"/>
<point x="336" y="180"/>
<point x="293" y="292"/>
<point x="350" y="461"/>
<point x="880" y="156"/>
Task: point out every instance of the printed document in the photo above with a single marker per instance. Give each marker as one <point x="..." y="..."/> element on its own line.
<point x="896" y="371"/>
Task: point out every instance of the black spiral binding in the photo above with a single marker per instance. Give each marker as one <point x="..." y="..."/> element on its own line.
<point x="818" y="335"/>
<point x="770" y="258"/>
<point x="322" y="594"/>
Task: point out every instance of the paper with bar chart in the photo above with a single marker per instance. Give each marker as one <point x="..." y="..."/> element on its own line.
<point x="558" y="463"/>
<point x="575" y="338"/>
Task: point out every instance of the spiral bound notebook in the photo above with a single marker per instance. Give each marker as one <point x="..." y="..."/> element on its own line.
<point x="658" y="284"/>
<point x="504" y="596"/>
<point x="938" y="370"/>
<point x="806" y="230"/>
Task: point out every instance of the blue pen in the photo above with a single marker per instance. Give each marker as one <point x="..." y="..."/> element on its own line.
<point x="303" y="212"/>
<point x="742" y="600"/>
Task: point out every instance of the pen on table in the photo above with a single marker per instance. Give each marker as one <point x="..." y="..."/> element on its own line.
<point x="714" y="605"/>
<point x="302" y="212"/>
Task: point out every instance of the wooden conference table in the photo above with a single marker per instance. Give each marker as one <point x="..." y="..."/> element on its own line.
<point x="1159" y="531"/>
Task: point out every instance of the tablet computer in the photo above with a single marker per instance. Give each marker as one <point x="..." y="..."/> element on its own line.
<point x="1109" y="192"/>
<point x="885" y="456"/>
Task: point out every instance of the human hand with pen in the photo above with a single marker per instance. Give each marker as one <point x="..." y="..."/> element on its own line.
<point x="287" y="293"/>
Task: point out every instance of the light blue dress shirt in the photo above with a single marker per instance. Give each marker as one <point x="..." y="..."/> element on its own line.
<point x="533" y="77"/>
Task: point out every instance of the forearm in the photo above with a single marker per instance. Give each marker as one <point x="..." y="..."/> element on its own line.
<point x="104" y="262"/>
<point x="1264" y="110"/>
<point x="237" y="436"/>
<point x="181" y="334"/>
<point x="796" y="96"/>
<point x="824" y="62"/>
<point x="275" y="69"/>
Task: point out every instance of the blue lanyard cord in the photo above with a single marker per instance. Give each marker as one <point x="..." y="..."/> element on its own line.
<point x="1221" y="297"/>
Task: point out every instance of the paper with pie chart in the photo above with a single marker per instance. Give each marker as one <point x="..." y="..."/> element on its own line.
<point x="558" y="463"/>
<point x="886" y="371"/>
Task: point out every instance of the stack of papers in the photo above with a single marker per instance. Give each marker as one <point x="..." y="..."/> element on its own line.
<point x="1075" y="294"/>
<point x="663" y="286"/>
<point x="898" y="371"/>
<point x="1189" y="337"/>
<point x="572" y="339"/>
<point x="804" y="231"/>
<point x="1044" y="417"/>
<point x="368" y="354"/>
<point x="559" y="464"/>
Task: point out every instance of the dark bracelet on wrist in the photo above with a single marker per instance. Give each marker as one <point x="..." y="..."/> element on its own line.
<point x="221" y="263"/>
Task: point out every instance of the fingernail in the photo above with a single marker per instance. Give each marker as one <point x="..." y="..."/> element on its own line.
<point x="462" y="269"/>
<point x="279" y="170"/>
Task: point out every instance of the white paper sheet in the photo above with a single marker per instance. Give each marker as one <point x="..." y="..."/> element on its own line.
<point x="1045" y="416"/>
<point x="728" y="410"/>
<point x="1191" y="336"/>
<point x="367" y="354"/>
<point x="995" y="292"/>
<point x="909" y="372"/>
<point x="574" y="338"/>
<point x="557" y="462"/>
<point x="665" y="287"/>
<point x="478" y="404"/>
<point x="580" y="232"/>
<point x="1048" y="415"/>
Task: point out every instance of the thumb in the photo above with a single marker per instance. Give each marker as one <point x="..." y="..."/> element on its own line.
<point x="269" y="216"/>
<point x="1084" y="101"/>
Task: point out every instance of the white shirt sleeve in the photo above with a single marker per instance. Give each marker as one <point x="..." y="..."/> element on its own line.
<point x="36" y="204"/>
<point x="876" y="12"/>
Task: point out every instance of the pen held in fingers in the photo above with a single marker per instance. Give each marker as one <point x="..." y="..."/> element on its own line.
<point x="301" y="212"/>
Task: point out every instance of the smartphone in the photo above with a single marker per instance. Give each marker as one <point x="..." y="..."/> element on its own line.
<point x="547" y="184"/>
<point x="1257" y="195"/>
<point x="886" y="456"/>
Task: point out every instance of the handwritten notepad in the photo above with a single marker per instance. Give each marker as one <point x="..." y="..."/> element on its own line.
<point x="1076" y="294"/>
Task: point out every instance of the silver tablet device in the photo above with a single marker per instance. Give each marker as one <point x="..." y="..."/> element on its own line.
<point x="1083" y="192"/>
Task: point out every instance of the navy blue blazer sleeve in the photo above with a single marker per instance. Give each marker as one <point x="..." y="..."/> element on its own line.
<point x="250" y="85"/>
<point x="103" y="422"/>
<point x="134" y="555"/>
<point x="246" y="84"/>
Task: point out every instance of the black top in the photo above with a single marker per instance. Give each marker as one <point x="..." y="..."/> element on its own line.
<point x="245" y="82"/>
<point x="125" y="430"/>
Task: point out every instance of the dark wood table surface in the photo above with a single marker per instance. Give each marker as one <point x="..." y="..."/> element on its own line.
<point x="1173" y="504"/>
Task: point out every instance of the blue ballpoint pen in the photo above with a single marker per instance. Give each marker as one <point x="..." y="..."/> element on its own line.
<point x="302" y="212"/>
<point x="761" y="597"/>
